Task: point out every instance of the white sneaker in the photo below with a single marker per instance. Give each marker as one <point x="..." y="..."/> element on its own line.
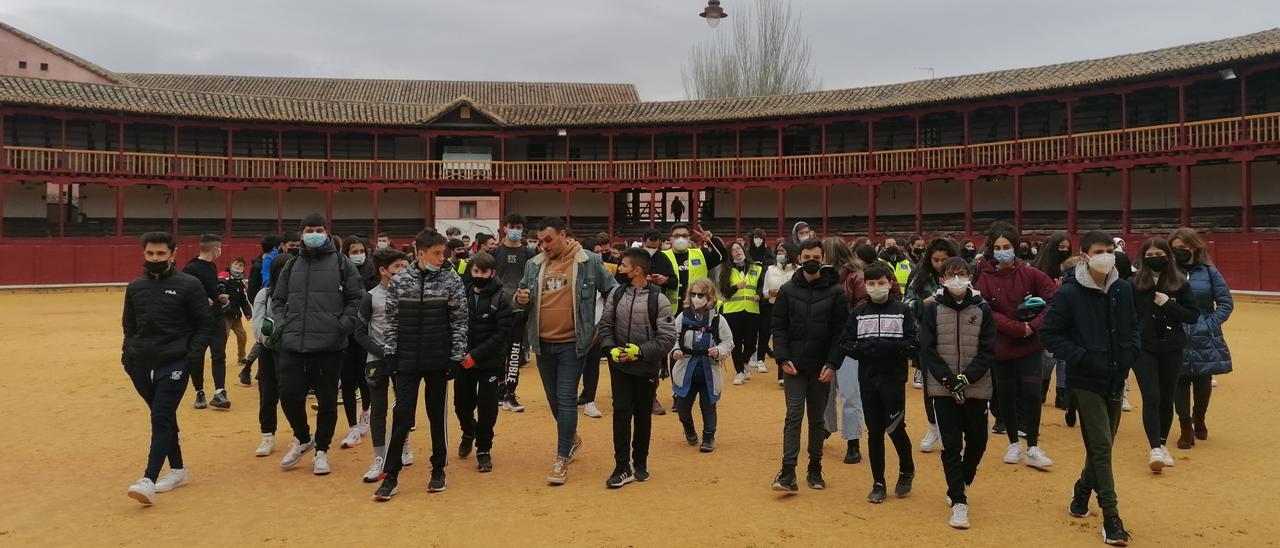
<point x="1213" y="383"/>
<point x="296" y="450"/>
<point x="143" y="491"/>
<point x="930" y="440"/>
<point x="1037" y="459"/>
<point x="1169" y="461"/>
<point x="320" y="463"/>
<point x="918" y="381"/>
<point x="171" y="479"/>
<point x="746" y="373"/>
<point x="1126" y="406"/>
<point x="406" y="454"/>
<point x="375" y="471"/>
<point x="1155" y="460"/>
<point x="781" y="384"/>
<point x="737" y="379"/>
<point x="760" y="368"/>
<point x="266" y="446"/>
<point x="362" y="422"/>
<point x="352" y="439"/>
<point x="1014" y="454"/>
<point x="960" y="516"/>
<point x="592" y="410"/>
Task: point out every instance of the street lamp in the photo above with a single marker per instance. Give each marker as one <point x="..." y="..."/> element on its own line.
<point x="713" y="13"/>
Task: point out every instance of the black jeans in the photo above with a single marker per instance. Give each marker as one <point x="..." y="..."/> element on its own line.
<point x="352" y="377"/>
<point x="1018" y="382"/>
<point x="590" y="375"/>
<point x="1202" y="387"/>
<point x="299" y="371"/>
<point x="378" y="410"/>
<point x="515" y="355"/>
<point x="804" y="393"/>
<point x="632" y="407"/>
<point x="162" y="388"/>
<point x="963" y="429"/>
<point x="402" y="417"/>
<point x="268" y="390"/>
<point x="1157" y="374"/>
<point x="699" y="389"/>
<point x="743" y="325"/>
<point x="475" y="394"/>
<point x="217" y="355"/>
<point x="884" y="406"/>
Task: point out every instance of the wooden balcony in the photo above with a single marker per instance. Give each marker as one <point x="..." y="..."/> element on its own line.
<point x="1093" y="145"/>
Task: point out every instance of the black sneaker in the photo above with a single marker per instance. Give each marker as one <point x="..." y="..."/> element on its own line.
<point x="1079" y="507"/>
<point x="878" y="493"/>
<point x="854" y="454"/>
<point x="786" y="480"/>
<point x="1113" y="532"/>
<point x="690" y="435"/>
<point x="903" y="488"/>
<point x="1071" y="416"/>
<point x="642" y="472"/>
<point x="436" y="485"/>
<point x="621" y="476"/>
<point x="386" y="490"/>
<point x="220" y="400"/>
<point x="484" y="463"/>
<point x="814" y="478"/>
<point x="998" y="427"/>
<point x="200" y="403"/>
<point x="708" y="443"/>
<point x="244" y="376"/>
<point x="658" y="409"/>
<point x="464" y="448"/>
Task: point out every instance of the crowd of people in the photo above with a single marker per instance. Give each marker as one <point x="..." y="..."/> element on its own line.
<point x="978" y="326"/>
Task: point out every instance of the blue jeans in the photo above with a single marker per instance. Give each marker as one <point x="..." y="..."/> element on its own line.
<point x="561" y="370"/>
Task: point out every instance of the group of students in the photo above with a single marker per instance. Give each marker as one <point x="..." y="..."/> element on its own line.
<point x="985" y="331"/>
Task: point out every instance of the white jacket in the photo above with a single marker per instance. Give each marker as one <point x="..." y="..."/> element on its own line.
<point x="725" y="349"/>
<point x="775" y="277"/>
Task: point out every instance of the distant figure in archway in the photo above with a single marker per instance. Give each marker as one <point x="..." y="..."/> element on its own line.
<point x="677" y="209"/>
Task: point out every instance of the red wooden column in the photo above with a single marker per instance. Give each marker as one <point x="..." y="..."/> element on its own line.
<point x="965" y="158"/>
<point x="1072" y="202"/>
<point x="1017" y="202"/>
<point x="693" y="207"/>
<point x="737" y="209"/>
<point x="782" y="214"/>
<point x="871" y="145"/>
<point x="968" y="205"/>
<point x="1246" y="195"/>
<point x="568" y="207"/>
<point x="226" y="221"/>
<point x="328" y="205"/>
<point x="918" y="186"/>
<point x="1184" y="194"/>
<point x="613" y="204"/>
<point x="653" y="198"/>
<point x="613" y="172"/>
<point x="1182" y="117"/>
<point x="173" y="210"/>
<point x="429" y="209"/>
<point x="376" y="193"/>
<point x="279" y="210"/>
<point x="3" y="188"/>
<point x="119" y="210"/>
<point x="871" y="210"/>
<point x="826" y="221"/>
<point x="1126" y="200"/>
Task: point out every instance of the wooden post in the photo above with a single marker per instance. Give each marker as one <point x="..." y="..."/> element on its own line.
<point x="693" y="207"/>
<point x="227" y="168"/>
<point x="1246" y="195"/>
<point x="871" y="210"/>
<point x="376" y="193"/>
<point x="429" y="209"/>
<point x="1072" y="203"/>
<point x="328" y="205"/>
<point x="653" y="207"/>
<point x="1182" y="117"/>
<point x="1184" y="194"/>
<point x="121" y="162"/>
<point x="1017" y="202"/>
<point x="173" y="164"/>
<point x="1126" y="201"/>
<point x="119" y="210"/>
<point x="228" y="200"/>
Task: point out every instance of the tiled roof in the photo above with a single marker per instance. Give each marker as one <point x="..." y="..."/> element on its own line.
<point x="75" y="59"/>
<point x="430" y="92"/>
<point x="407" y="111"/>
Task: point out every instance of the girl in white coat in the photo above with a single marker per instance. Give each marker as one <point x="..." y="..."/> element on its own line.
<point x="705" y="341"/>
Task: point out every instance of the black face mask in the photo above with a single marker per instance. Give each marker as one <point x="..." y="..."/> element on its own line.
<point x="1156" y="264"/>
<point x="812" y="266"/>
<point x="481" y="283"/>
<point x="1183" y="256"/>
<point x="294" y="251"/>
<point x="622" y="279"/>
<point x="968" y="254"/>
<point x="156" y="268"/>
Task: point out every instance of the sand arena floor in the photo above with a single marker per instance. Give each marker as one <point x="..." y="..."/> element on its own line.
<point x="76" y="433"/>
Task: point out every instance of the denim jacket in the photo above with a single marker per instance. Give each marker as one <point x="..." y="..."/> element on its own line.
<point x="592" y="279"/>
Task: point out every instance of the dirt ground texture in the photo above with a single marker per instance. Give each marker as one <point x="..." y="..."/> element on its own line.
<point x="77" y="434"/>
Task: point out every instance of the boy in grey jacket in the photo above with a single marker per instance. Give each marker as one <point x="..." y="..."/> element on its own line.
<point x="637" y="329"/>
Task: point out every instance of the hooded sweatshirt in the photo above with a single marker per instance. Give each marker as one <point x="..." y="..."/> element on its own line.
<point x="1094" y="329"/>
<point x="556" y="304"/>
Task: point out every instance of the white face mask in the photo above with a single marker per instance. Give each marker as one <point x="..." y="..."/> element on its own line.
<point x="680" y="244"/>
<point x="957" y="285"/>
<point x="1102" y="263"/>
<point x="384" y="245"/>
<point x="357" y="258"/>
<point x="758" y="241"/>
<point x="699" y="302"/>
<point x="878" y="294"/>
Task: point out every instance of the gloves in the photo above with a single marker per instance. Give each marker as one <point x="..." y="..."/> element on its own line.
<point x="615" y="353"/>
<point x="468" y="362"/>
<point x="633" y="351"/>
<point x="959" y="382"/>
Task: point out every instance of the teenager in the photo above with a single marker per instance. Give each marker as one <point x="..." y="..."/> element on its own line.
<point x="921" y="291"/>
<point x="167" y="325"/>
<point x="203" y="267"/>
<point x="476" y="388"/>
<point x="424" y="343"/>
<point x="740" y="284"/>
<point x="1206" y="352"/>
<point x="881" y="335"/>
<point x="352" y="377"/>
<point x="1053" y="252"/>
<point x="957" y="348"/>
<point x="370" y="335"/>
<point x="268" y="376"/>
<point x="777" y="275"/>
<point x="1164" y="303"/>
<point x="808" y="318"/>
<point x="1093" y="326"/>
<point x="511" y="256"/>
<point x="231" y="282"/>
<point x="760" y="253"/>
<point x="636" y="330"/>
<point x="704" y="341"/>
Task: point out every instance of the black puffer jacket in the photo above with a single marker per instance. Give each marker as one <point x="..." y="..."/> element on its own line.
<point x="490" y="318"/>
<point x="1163" y="326"/>
<point x="314" y="302"/>
<point x="165" y="319"/>
<point x="808" y="318"/>
<point x="1094" y="330"/>
<point x="426" y="320"/>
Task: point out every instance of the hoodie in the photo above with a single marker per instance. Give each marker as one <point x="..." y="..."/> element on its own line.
<point x="795" y="231"/>
<point x="1094" y="329"/>
<point x="957" y="336"/>
<point x="808" y="317"/>
<point x="556" y="309"/>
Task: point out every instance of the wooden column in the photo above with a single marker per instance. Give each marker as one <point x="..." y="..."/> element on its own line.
<point x="62" y="146"/>
<point x="376" y="194"/>
<point x="871" y="210"/>
<point x="653" y="205"/>
<point x="1124" y="121"/>
<point x="918" y="186"/>
<point x="1126" y="201"/>
<point x="173" y="163"/>
<point x="737" y="209"/>
<point x="1072" y="203"/>
<point x="1243" y="133"/>
<point x="1184" y="194"/>
<point x="964" y="152"/>
<point x="328" y="154"/>
<point x="228" y="200"/>
<point x="693" y="207"/>
<point x="1017" y="131"/>
<point x="4" y="161"/>
<point x="173" y="210"/>
<point x="1017" y="202"/>
<point x="968" y="205"/>
<point x="121" y="163"/>
<point x="279" y="210"/>
<point x="119" y="210"/>
<point x="782" y="214"/>
<point x="1246" y="195"/>
<point x="826" y="220"/>
<point x="1071" y="142"/>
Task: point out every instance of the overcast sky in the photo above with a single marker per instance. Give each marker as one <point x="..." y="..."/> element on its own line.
<point x="855" y="42"/>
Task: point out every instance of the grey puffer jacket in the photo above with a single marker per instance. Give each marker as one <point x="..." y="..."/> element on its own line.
<point x="1206" y="352"/>
<point x="314" y="302"/>
<point x="958" y="337"/>
<point x="631" y="324"/>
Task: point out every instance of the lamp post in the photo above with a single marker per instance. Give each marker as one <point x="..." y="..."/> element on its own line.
<point x="713" y="13"/>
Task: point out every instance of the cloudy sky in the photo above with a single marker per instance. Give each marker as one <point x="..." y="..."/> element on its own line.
<point x="855" y="42"/>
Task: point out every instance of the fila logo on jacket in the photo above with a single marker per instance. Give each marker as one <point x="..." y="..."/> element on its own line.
<point x="888" y="326"/>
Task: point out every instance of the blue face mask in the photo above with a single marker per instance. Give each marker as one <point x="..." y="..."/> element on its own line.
<point x="515" y="235"/>
<point x="1003" y="255"/>
<point x="430" y="267"/>
<point x="314" y="239"/>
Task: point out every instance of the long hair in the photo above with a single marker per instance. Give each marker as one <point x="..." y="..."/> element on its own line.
<point x="726" y="270"/>
<point x="1199" y="251"/>
<point x="924" y="271"/>
<point x="791" y="250"/>
<point x="838" y="255"/>
<point x="1049" y="260"/>
<point x="999" y="230"/>
<point x="707" y="287"/>
<point x="1171" y="280"/>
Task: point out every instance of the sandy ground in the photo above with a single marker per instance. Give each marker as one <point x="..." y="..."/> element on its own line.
<point x="76" y="436"/>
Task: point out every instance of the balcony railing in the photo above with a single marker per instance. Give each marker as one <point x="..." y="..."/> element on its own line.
<point x="1139" y="140"/>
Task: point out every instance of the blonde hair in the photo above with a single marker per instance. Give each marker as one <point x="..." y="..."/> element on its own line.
<point x="708" y="287"/>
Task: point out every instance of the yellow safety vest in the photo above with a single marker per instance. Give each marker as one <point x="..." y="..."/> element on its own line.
<point x="745" y="299"/>
<point x="697" y="268"/>
<point x="461" y="266"/>
<point x="902" y="271"/>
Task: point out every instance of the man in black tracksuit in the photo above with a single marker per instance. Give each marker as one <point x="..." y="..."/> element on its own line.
<point x="808" y="317"/>
<point x="167" y="325"/>
<point x="1093" y="326"/>
<point x="425" y="342"/>
<point x="314" y="306"/>
<point x="476" y="388"/>
<point x="511" y="255"/>
<point x="204" y="268"/>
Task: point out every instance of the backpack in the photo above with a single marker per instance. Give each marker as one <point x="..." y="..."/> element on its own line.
<point x="273" y="339"/>
<point x="713" y="328"/>
<point x="653" y="305"/>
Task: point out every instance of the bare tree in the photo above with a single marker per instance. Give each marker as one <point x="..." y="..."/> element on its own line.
<point x="764" y="53"/>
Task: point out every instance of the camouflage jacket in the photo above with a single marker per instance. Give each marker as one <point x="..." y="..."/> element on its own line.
<point x="426" y="316"/>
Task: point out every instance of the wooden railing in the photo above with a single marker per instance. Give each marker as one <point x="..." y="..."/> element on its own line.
<point x="1099" y="144"/>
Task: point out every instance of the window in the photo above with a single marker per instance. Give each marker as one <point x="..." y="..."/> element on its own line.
<point x="467" y="210"/>
<point x="44" y="67"/>
<point x="22" y="64"/>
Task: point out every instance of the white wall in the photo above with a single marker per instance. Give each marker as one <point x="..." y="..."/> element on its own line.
<point x="943" y="196"/>
<point x="98" y="201"/>
<point x="257" y="203"/>
<point x="25" y="200"/>
<point x="147" y="202"/>
<point x="897" y="198"/>
<point x="353" y="204"/>
<point x="592" y="203"/>
<point x="1266" y="183"/>
<point x="400" y="204"/>
<point x="536" y="204"/>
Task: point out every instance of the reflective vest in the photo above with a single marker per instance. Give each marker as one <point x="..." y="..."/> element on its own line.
<point x="460" y="267"/>
<point x="745" y="299"/>
<point x="697" y="268"/>
<point x="902" y="271"/>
